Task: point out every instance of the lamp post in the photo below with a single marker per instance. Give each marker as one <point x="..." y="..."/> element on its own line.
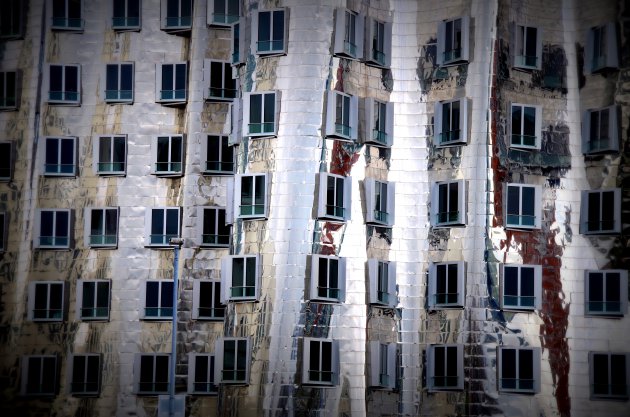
<point x="176" y="243"/>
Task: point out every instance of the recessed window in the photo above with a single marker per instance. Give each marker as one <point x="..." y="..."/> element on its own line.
<point x="150" y="373"/>
<point x="232" y="359"/>
<point x="320" y="362"/>
<point x="260" y="113"/>
<point x="176" y="15"/>
<point x="600" y="130"/>
<point x="219" y="156"/>
<point x="39" y="375"/>
<point x="521" y="287"/>
<point x="349" y="34"/>
<point x="238" y="51"/>
<point x="126" y="15"/>
<point x="342" y="118"/>
<point x="519" y="369"/>
<point x="382" y="365"/>
<point x="602" y="51"/>
<point x="93" y="298"/>
<point x="606" y="292"/>
<point x="101" y="227"/>
<point x="251" y="195"/>
<point x="447" y="284"/>
<point x="270" y="31"/>
<point x="168" y="152"/>
<point x="52" y="229"/>
<point x="171" y="83"/>
<point x="64" y="84"/>
<point x="328" y="279"/>
<point x="240" y="278"/>
<point x="162" y="224"/>
<point x="452" y="42"/>
<point x="12" y="21"/>
<point x="66" y="15"/>
<point x="527" y="44"/>
<point x="119" y="83"/>
<point x="215" y="232"/>
<point x="379" y="36"/>
<point x="8" y="90"/>
<point x="46" y="301"/>
<point x="523" y="206"/>
<point x="382" y="276"/>
<point x="85" y="371"/>
<point x="207" y="300"/>
<point x="379" y="122"/>
<point x="59" y="156"/>
<point x="601" y="212"/>
<point x="379" y="202"/>
<point x="526" y="122"/>
<point x="6" y="161"/>
<point x="218" y="81"/>
<point x="609" y="375"/>
<point x="445" y="367"/>
<point x="334" y="197"/>
<point x="450" y="122"/>
<point x="222" y="13"/>
<point x="110" y="155"/>
<point x="158" y="300"/>
<point x="201" y="372"/>
<point x="448" y="204"/>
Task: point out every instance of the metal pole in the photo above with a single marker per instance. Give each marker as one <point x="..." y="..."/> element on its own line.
<point x="171" y="387"/>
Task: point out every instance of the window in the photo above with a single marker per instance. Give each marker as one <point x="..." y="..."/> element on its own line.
<point x="238" y="51"/>
<point x="600" y="130"/>
<point x="162" y="224"/>
<point x="64" y="84"/>
<point x="93" y="299"/>
<point x="66" y="15"/>
<point x="6" y="161"/>
<point x="168" y="154"/>
<point x="609" y="375"/>
<point x="223" y="12"/>
<point x="232" y="356"/>
<point x="270" y="31"/>
<point x="240" y="278"/>
<point x="219" y="155"/>
<point x="447" y="284"/>
<point x="452" y="42"/>
<point x="526" y="126"/>
<point x="110" y="155"/>
<point x="521" y="287"/>
<point x="151" y="373"/>
<point x="379" y="36"/>
<point x="445" y="367"/>
<point x="46" y="300"/>
<point x="382" y="364"/>
<point x="450" y="124"/>
<point x="334" y="197"/>
<point x="251" y="194"/>
<point x="39" y="375"/>
<point x="52" y="229"/>
<point x="527" y="47"/>
<point x="601" y="48"/>
<point x="220" y="86"/>
<point x="349" y="34"/>
<point x="342" y="118"/>
<point x="606" y="292"/>
<point x="101" y="227"/>
<point x="382" y="276"/>
<point x="119" y="83"/>
<point x="85" y="374"/>
<point x="215" y="232"/>
<point x="320" y="362"/>
<point x="60" y="156"/>
<point x="260" y="113"/>
<point x="171" y="82"/>
<point x="126" y="15"/>
<point x="379" y="202"/>
<point x="523" y="206"/>
<point x="8" y="90"/>
<point x="328" y="279"/>
<point x="207" y="300"/>
<point x="448" y="204"/>
<point x="201" y="370"/>
<point x="176" y="15"/>
<point x="379" y="122"/>
<point x="12" y="19"/>
<point x="601" y="212"/>
<point x="158" y="300"/>
<point x="519" y="369"/>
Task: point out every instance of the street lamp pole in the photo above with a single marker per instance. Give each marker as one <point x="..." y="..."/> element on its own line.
<point x="176" y="243"/>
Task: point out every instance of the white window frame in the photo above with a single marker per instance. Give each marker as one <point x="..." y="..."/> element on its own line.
<point x="7" y="160"/>
<point x="202" y="384"/>
<point x="45" y="361"/>
<point x="335" y="128"/>
<point x="443" y="138"/>
<point x="267" y="127"/>
<point x="442" y="301"/>
<point x="127" y="22"/>
<point x="348" y="41"/>
<point x="174" y="96"/>
<point x="215" y="239"/>
<point x="378" y="210"/>
<point x="72" y="98"/>
<point x="174" y="167"/>
<point x="446" y="53"/>
<point x="600" y="57"/>
<point x="383" y="373"/>
<point x="255" y="214"/>
<point x="227" y="279"/>
<point x="58" y="166"/>
<point x="65" y="22"/>
<point x="520" y="216"/>
<point x="239" y="40"/>
<point x="9" y="84"/>
<point x="89" y="382"/>
<point x="274" y="48"/>
<point x="109" y="167"/>
<point x="101" y="240"/>
<point x="437" y="217"/>
<point x="212" y="309"/>
<point x="118" y="95"/>
<point x="17" y="10"/>
<point x="378" y="43"/>
<point x="520" y="385"/>
<point x="606" y="310"/>
<point x="227" y="17"/>
<point x="59" y="240"/>
<point x="331" y="210"/>
<point x="94" y="312"/>
<point x="586" y="209"/>
<point x="333" y="367"/>
<point x="341" y="280"/>
<point x="432" y="384"/>
<point x="609" y="395"/>
<point x="225" y="165"/>
<point x="379" y="122"/>
<point x="382" y="277"/>
<point x="51" y="313"/>
<point x="137" y="373"/>
<point x="519" y="44"/>
<point x="228" y="90"/>
<point x="607" y="133"/>
<point x="242" y="364"/>
<point x="519" y="304"/>
<point x="177" y="23"/>
<point x="525" y="141"/>
<point x="162" y="311"/>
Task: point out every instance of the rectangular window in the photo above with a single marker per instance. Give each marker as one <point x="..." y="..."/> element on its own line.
<point x="12" y="15"/>
<point x="260" y="113"/>
<point x="60" y="156"/>
<point x="328" y="279"/>
<point x="450" y="122"/>
<point x="39" y="375"/>
<point x="126" y="15"/>
<point x="201" y="371"/>
<point x="168" y="152"/>
<point x="222" y="13"/>
<point x="334" y="197"/>
<point x="8" y="90"/>
<point x="521" y="287"/>
<point x="320" y="362"/>
<point x="93" y="298"/>
<point x="606" y="292"/>
<point x="110" y="155"/>
<point x="52" y="229"/>
<point x="527" y="44"/>
<point x="379" y="49"/>
<point x="270" y="30"/>
<point x="447" y="284"/>
<point x="158" y="301"/>
<point x="232" y="356"/>
<point x="453" y="41"/>
<point x="523" y="204"/>
<point x="171" y="83"/>
<point x="382" y="276"/>
<point x="602" y="51"/>
<point x="176" y="15"/>
<point x="446" y="367"/>
<point x="238" y="42"/>
<point x="119" y="83"/>
<point x="46" y="301"/>
<point x="382" y="365"/>
<point x="526" y="124"/>
<point x="519" y="369"/>
<point x="600" y="130"/>
<point x="207" y="300"/>
<point x="64" y="84"/>
<point x="342" y="118"/>
<point x="601" y="212"/>
<point x="162" y="223"/>
<point x="448" y="204"/>
<point x="379" y="202"/>
<point x="151" y="373"/>
<point x="85" y="374"/>
<point x="349" y="34"/>
<point x="66" y="15"/>
<point x="218" y="81"/>
<point x="251" y="195"/>
<point x="214" y="230"/>
<point x="240" y="278"/>
<point x="101" y="227"/>
<point x="379" y="122"/>
<point x="6" y="161"/>
<point x="609" y="375"/>
<point x="219" y="155"/>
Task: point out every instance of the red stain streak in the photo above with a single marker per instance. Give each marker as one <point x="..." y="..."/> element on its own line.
<point x="327" y="238"/>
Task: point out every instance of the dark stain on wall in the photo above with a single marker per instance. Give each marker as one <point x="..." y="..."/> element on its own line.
<point x="553" y="74"/>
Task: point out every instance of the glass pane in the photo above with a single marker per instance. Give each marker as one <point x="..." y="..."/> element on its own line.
<point x="78" y="373"/>
<point x="56" y="78"/>
<point x="163" y="147"/>
<point x="596" y="289"/>
<point x="216" y="77"/>
<point x="157" y="222"/>
<point x="250" y="272"/>
<point x="172" y="222"/>
<point x="111" y="222"/>
<point x="594" y="213"/>
<point x="600" y="374"/>
<point x="508" y="364"/>
<point x="105" y="149"/>
<point x="613" y="285"/>
<point x="41" y="300"/>
<point x="513" y="200"/>
<point x="238" y="272"/>
<point x="530" y="41"/>
<point x="529" y="201"/>
<point x="264" y="28"/>
<point x="56" y="299"/>
<point x="618" y="383"/>
<point x="314" y="364"/>
<point x="247" y="191"/>
<point x="176" y="151"/>
<point x="180" y="77"/>
<point x="260" y="192"/>
<point x="119" y="150"/>
<point x="529" y="122"/>
<point x="278" y="28"/>
<point x="166" y="298"/>
<point x="152" y="295"/>
<point x="126" y="77"/>
<point x="527" y="282"/>
<point x="510" y="281"/>
<point x="112" y="77"/>
<point x="209" y="222"/>
<point x="67" y="154"/>
<point x="167" y="77"/>
<point x="526" y="365"/>
<point x="270" y="104"/>
<point x="52" y="154"/>
<point x="72" y="79"/>
<point x="201" y="369"/>
<point x="89" y="299"/>
<point x="97" y="225"/>
<point x="102" y="294"/>
<point x="255" y="111"/>
<point x="62" y="229"/>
